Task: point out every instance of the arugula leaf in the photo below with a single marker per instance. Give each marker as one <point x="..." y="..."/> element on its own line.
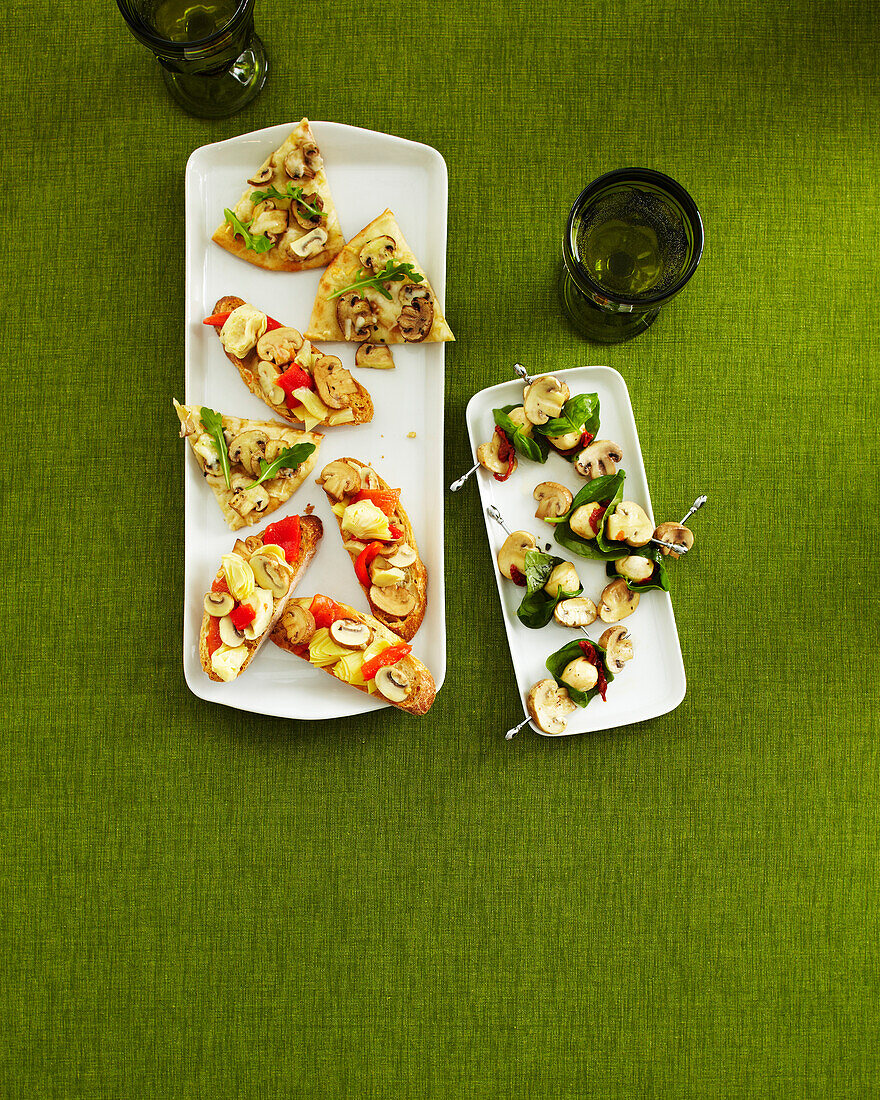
<point x="609" y="487"/>
<point x="212" y="422"/>
<point x="659" y="579"/>
<point x="390" y="273"/>
<point x="579" y="414"/>
<point x="258" y="243"/>
<point x="289" y="459"/>
<point x="293" y="193"/>
<point x="557" y="661"/>
<point x="536" y="609"/>
<point x="536" y="449"/>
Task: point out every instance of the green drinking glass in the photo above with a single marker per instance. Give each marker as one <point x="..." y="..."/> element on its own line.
<point x="212" y="61"/>
<point x="634" y="238"/>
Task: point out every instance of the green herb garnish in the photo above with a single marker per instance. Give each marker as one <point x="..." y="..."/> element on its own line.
<point x="293" y="193"/>
<point x="534" y="447"/>
<point x="390" y="273"/>
<point x="257" y="243"/>
<point x="536" y="609"/>
<point x="212" y="422"/>
<point x="579" y="414"/>
<point x="289" y="459"/>
<point x="557" y="661"/>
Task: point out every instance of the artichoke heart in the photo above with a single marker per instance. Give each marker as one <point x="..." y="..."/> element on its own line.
<point x="323" y="650"/>
<point x="348" y="669"/>
<point x="312" y="403"/>
<point x="239" y="575"/>
<point x="364" y="520"/>
<point x="226" y="661"/>
<point x="242" y="329"/>
<point x="272" y="550"/>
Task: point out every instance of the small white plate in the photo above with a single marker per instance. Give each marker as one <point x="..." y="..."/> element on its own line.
<point x="367" y="172"/>
<point x="653" y="682"/>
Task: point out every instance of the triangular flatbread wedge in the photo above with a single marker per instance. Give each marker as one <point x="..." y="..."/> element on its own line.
<point x="286" y="220"/>
<point x="409" y="314"/>
<point x="248" y="444"/>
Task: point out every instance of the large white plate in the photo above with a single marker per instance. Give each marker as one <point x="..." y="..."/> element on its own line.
<point x="367" y="172"/>
<point x="654" y="681"/>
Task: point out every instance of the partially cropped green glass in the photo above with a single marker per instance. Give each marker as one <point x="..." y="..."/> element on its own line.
<point x="633" y="240"/>
<point x="212" y="61"/>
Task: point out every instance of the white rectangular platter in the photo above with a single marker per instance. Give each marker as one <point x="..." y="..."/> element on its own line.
<point x="653" y="682"/>
<point x="367" y="172"/>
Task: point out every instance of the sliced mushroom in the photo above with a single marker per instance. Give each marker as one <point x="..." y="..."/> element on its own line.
<point x="598" y="459"/>
<point x="618" y="648"/>
<point x="416" y="319"/>
<point x="248" y="497"/>
<point x="553" y="499"/>
<point x="565" y="442"/>
<point x="302" y="162"/>
<point x="263" y="176"/>
<point x="355" y="316"/>
<point x="580" y="674"/>
<point x="488" y="456"/>
<point x="393" y="682"/>
<point x="268" y="222"/>
<point x="275" y="448"/>
<point x="629" y="523"/>
<point x="350" y="633"/>
<point x="334" y="383"/>
<point x="563" y="578"/>
<point x="376" y="253"/>
<point x="512" y="554"/>
<point x="247" y="448"/>
<point x="338" y="479"/>
<point x="374" y="355"/>
<point x="280" y="345"/>
<point x="272" y="574"/>
<point x="403" y="556"/>
<point x="299" y="624"/>
<point x="585" y="521"/>
<point x="300" y="248"/>
<point x="635" y="567"/>
<point x="549" y="705"/>
<point x="578" y="611"/>
<point x="219" y="604"/>
<point x="395" y="600"/>
<point x="303" y="217"/>
<point x="229" y="634"/>
<point x="678" y="535"/>
<point x="518" y="416"/>
<point x="617" y="601"/>
<point x="543" y="399"/>
<point x="267" y="373"/>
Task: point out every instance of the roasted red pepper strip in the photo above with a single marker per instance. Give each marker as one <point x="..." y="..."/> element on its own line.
<point x="242" y="615"/>
<point x="589" y="651"/>
<point x="596" y="515"/>
<point x="385" y="499"/>
<point x="388" y="657"/>
<point x="517" y="577"/>
<point x="506" y="453"/>
<point x="362" y="565"/>
<point x="325" y="611"/>
<point x="295" y="378"/>
<point x="213" y="641"/>
<point x="285" y="533"/>
<point x="218" y="320"/>
<point x="395" y="531"/>
<point x="220" y="584"/>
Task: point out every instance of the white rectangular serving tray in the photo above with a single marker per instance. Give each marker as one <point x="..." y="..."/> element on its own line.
<point x="367" y="173"/>
<point x="653" y="683"/>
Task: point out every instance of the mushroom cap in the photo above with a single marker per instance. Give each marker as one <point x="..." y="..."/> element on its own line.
<point x="416" y="319"/>
<point x="618" y="648"/>
<point x="553" y="499"/>
<point x="629" y="523"/>
<point x="598" y="459"/>
<point x="280" y="345"/>
<point x="581" y="520"/>
<point x="305" y="219"/>
<point x="338" y="479"/>
<point x="333" y="382"/>
<point x="513" y="552"/>
<point x="617" y="601"/>
<point x="518" y="416"/>
<point x="543" y="398"/>
<point x="298" y="623"/>
<point x="355" y="316"/>
<point x="576" y="611"/>
<point x="549" y="706"/>
<point x="563" y="578"/>
<point x="308" y="245"/>
<point x="393" y="599"/>
<point x="374" y="355"/>
<point x="350" y="633"/>
<point x="394" y="682"/>
<point x="488" y="456"/>
<point x="580" y="674"/>
<point x="635" y="567"/>
<point x="377" y="252"/>
<point x="677" y="534"/>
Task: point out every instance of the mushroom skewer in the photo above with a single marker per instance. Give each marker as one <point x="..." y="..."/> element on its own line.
<point x="524" y="375"/>
<point x="456" y="485"/>
<point x="678" y="549"/>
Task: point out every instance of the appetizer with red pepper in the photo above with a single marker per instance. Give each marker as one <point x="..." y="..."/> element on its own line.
<point x="548" y="580"/>
<point x="252" y="466"/>
<point x="379" y="538"/>
<point x="357" y="649"/>
<point x="250" y="592"/>
<point x="277" y="364"/>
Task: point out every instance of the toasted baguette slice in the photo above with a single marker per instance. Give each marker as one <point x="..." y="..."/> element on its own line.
<point x="401" y="605"/>
<point x="247" y="441"/>
<point x="351" y="403"/>
<point x="297" y="163"/>
<point x="296" y="629"/>
<point x="311" y="530"/>
<point x="411" y="316"/>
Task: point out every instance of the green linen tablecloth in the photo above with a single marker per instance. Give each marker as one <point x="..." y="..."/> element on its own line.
<point x="199" y="902"/>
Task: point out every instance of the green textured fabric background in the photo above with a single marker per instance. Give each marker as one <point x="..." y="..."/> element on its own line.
<point x="198" y="902"/>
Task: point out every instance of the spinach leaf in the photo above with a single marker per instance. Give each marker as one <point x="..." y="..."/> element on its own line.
<point x="535" y="448"/>
<point x="659" y="578"/>
<point x="579" y="414"/>
<point x="212" y="422"/>
<point x="557" y="661"/>
<point x="536" y="609"/>
<point x="609" y="487"/>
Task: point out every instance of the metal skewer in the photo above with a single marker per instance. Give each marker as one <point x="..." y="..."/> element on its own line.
<point x="695" y="507"/>
<point x="509" y="736"/>
<point x="524" y="375"/>
<point x="493" y="513"/>
<point x="456" y="485"/>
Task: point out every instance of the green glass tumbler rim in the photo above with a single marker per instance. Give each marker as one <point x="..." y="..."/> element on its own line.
<point x="180" y="50"/>
<point x="580" y="275"/>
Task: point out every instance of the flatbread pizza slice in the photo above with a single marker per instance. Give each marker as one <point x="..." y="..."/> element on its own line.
<point x="252" y="466"/>
<point x="375" y="291"/>
<point x="298" y="381"/>
<point x="286" y="220"/>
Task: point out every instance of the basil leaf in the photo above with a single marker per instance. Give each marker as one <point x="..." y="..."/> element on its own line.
<point x="212" y="422"/>
<point x="609" y="487"/>
<point x="557" y="661"/>
<point x="659" y="578"/>
<point x="258" y="243"/>
<point x="536" y="609"/>
<point x="579" y="414"/>
<point x="390" y="273"/>
<point x="289" y="459"/>
<point x="534" y="448"/>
